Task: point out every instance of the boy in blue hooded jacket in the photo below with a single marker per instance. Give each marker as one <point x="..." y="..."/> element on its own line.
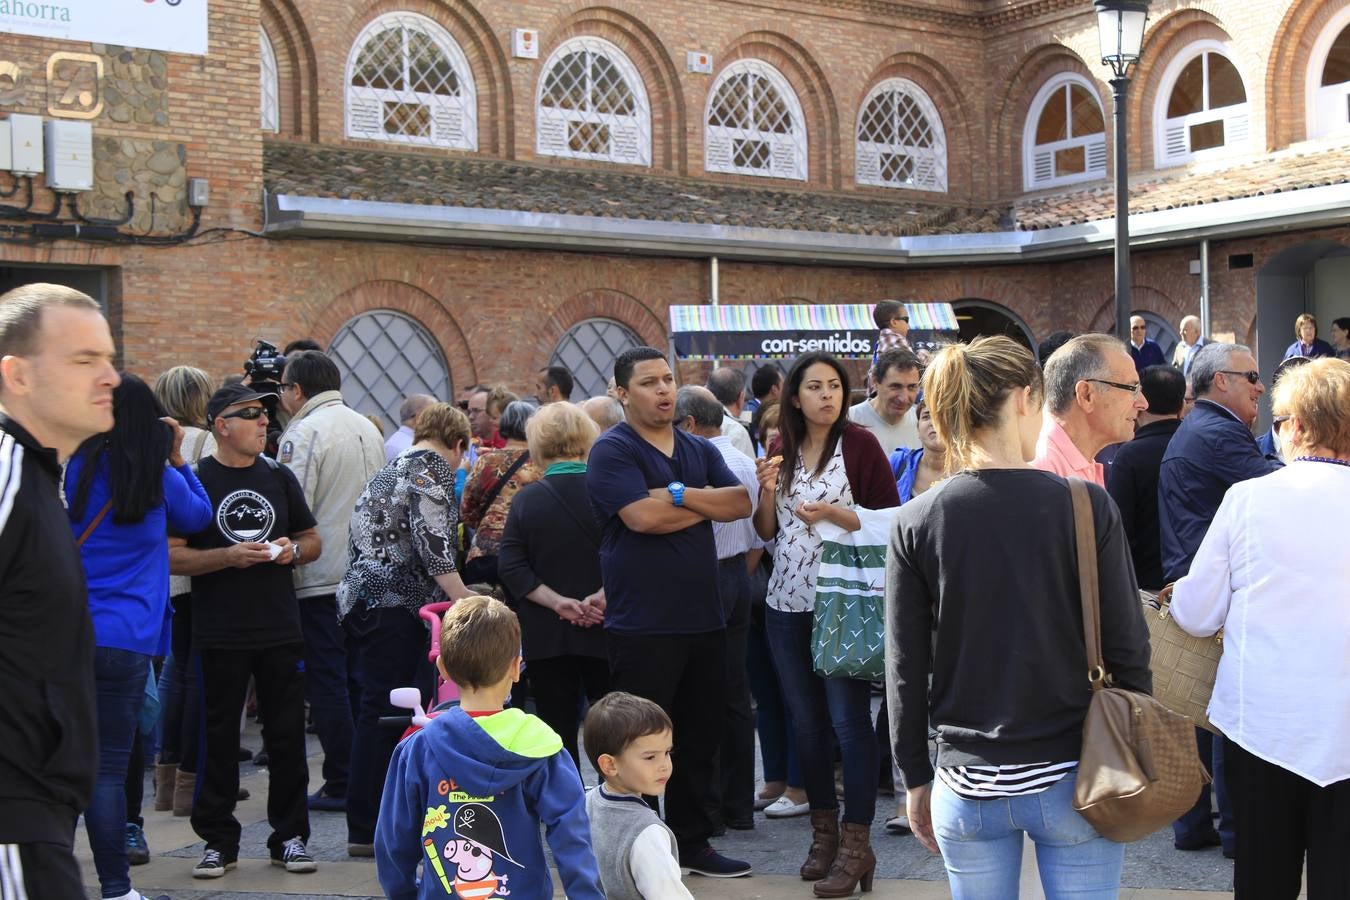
<point x="465" y="795"/>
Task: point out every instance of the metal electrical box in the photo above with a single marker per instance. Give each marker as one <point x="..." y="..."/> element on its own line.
<point x="6" y="152"/>
<point x="26" y="144"/>
<point x="70" y="156"/>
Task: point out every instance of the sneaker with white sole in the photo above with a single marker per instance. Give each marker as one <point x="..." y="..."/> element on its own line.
<point x="212" y="865"/>
<point x="712" y="864"/>
<point x="295" y="857"/>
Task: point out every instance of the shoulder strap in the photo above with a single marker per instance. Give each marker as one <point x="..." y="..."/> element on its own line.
<point x="492" y="495"/>
<point x="1085" y="533"/>
<point x="94" y="523"/>
<point x="589" y="531"/>
<point x="201" y="443"/>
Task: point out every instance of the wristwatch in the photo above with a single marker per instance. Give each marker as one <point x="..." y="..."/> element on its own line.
<point x="295" y="553"/>
<point x="676" y="489"/>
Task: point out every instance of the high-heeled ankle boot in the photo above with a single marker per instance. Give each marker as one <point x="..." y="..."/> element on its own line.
<point x="854" y="864"/>
<point x="164" y="778"/>
<point x="824" y="844"/>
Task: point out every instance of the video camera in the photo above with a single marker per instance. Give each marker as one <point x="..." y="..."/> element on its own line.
<point x="263" y="372"/>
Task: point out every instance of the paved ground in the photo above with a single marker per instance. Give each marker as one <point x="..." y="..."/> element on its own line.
<point x="1153" y="869"/>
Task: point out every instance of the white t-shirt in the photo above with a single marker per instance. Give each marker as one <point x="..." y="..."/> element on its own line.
<point x="904" y="433"/>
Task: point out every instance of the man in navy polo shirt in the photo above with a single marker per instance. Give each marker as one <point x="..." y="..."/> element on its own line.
<point x="656" y="492"/>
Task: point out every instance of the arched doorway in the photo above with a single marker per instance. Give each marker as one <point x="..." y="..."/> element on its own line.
<point x="1307" y="277"/>
<point x="981" y="318"/>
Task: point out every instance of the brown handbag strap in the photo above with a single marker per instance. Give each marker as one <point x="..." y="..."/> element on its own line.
<point x="94" y="524"/>
<point x="1085" y="534"/>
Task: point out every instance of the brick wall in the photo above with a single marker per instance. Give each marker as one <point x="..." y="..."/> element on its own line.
<point x="498" y="313"/>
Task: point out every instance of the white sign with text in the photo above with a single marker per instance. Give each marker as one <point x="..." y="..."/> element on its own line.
<point x="178" y="26"/>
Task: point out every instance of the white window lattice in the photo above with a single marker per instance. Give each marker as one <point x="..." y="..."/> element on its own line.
<point x="1202" y="107"/>
<point x="1065" y="137"/>
<point x="1328" y="79"/>
<point x="271" y="86"/>
<point x="409" y="82"/>
<point x="592" y="105"/>
<point x="588" y="350"/>
<point x="901" y="142"/>
<point x="384" y="356"/>
<point x="755" y="124"/>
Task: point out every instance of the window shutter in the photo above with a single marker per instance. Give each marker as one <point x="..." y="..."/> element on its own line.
<point x="868" y="163"/>
<point x="718" y="151"/>
<point x="1043" y="166"/>
<point x="552" y="135"/>
<point x="363" y="115"/>
<point x="783" y="162"/>
<point x="625" y="142"/>
<point x="1096" y="157"/>
<point x="1174" y="133"/>
<point x="1236" y="128"/>
<point x="448" y="123"/>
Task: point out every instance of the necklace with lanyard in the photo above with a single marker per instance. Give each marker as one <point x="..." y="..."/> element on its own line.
<point x="1323" y="459"/>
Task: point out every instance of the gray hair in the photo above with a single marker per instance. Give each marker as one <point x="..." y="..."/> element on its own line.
<point x="605" y="411"/>
<point x="727" y="384"/>
<point x="412" y="405"/>
<point x="1080" y="358"/>
<point x="1209" y="361"/>
<point x="514" y="417"/>
<point x="700" y="403"/>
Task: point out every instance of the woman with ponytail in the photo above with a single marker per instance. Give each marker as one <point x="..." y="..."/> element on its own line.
<point x="982" y="592"/>
<point x="828" y="467"/>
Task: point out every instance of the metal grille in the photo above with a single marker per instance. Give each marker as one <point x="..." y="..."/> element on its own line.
<point x="1065" y="138"/>
<point x="271" y="89"/>
<point x="900" y="139"/>
<point x="384" y="356"/>
<point x="409" y="82"/>
<point x="592" y="105"/>
<point x="755" y="124"/>
<point x="588" y="351"/>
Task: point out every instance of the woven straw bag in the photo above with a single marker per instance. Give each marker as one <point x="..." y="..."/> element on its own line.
<point x="1139" y="768"/>
<point x="1184" y="667"/>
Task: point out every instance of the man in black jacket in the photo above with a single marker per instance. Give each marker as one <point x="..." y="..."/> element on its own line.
<point x="56" y="384"/>
<point x="1132" y="477"/>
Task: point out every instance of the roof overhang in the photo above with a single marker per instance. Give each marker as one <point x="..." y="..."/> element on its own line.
<point x="291" y="215"/>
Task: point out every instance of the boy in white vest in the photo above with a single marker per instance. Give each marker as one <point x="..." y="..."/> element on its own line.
<point x="628" y="740"/>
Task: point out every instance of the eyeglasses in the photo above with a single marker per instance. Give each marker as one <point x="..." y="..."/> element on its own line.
<point x="286" y="385"/>
<point x="1252" y="376"/>
<point x="248" y="412"/>
<point x="903" y="318"/>
<point x="1132" y="388"/>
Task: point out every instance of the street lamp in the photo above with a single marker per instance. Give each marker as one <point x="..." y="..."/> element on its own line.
<point x="1120" y="24"/>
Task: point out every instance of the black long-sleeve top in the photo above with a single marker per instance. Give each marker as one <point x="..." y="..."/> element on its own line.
<point x="987" y="560"/>
<point x="555" y="544"/>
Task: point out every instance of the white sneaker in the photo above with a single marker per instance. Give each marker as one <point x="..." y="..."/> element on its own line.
<point x="783" y="808"/>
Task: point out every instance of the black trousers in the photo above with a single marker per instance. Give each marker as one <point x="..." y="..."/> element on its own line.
<point x="1281" y="817"/>
<point x="329" y="688"/>
<point x="279" y="676"/>
<point x="731" y="794"/>
<point x="558" y="684"/>
<point x="686" y="675"/>
<point x="46" y="871"/>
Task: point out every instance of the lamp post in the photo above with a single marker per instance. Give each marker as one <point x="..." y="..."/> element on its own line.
<point x="1120" y="24"/>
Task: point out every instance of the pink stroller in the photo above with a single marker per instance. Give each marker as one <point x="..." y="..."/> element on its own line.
<point x="431" y="613"/>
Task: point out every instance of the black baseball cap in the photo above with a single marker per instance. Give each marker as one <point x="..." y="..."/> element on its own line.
<point x="228" y="396"/>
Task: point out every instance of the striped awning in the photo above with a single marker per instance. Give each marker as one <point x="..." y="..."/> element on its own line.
<point x="803" y="317"/>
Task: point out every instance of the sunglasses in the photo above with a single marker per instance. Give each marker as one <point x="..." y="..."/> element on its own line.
<point x="248" y="412"/>
<point x="462" y="404"/>
<point x="1279" y="421"/>
<point x="903" y="318"/>
<point x="1252" y="376"/>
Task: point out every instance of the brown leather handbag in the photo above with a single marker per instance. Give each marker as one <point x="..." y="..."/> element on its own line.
<point x="1139" y="768"/>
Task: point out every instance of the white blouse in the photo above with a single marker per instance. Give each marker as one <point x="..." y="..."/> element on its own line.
<point x="796" y="555"/>
<point x="1273" y="572"/>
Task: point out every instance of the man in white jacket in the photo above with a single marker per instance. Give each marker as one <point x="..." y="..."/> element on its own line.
<point x="333" y="451"/>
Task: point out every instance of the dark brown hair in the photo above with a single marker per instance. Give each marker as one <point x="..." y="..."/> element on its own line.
<point x="792" y="422"/>
<point x="479" y="638"/>
<point x="618" y="719"/>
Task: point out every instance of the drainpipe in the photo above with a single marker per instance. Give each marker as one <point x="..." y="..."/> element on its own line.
<point x="712" y="276"/>
<point x="1204" y="288"/>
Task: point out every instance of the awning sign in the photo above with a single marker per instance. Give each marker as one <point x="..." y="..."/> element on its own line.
<point x="177" y="26"/>
<point x="765" y="332"/>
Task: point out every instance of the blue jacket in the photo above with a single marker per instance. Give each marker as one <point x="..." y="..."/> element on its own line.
<point x="905" y="465"/>
<point x="1148" y="355"/>
<point x="1320" y="348"/>
<point x="127" y="565"/>
<point x="1211" y="452"/>
<point x="465" y="797"/>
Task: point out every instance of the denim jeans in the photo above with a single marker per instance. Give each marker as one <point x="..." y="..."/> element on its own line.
<point x="119" y="683"/>
<point x="981" y="843"/>
<point x="817" y="704"/>
<point x="777" y="748"/>
<point x="1198" y="820"/>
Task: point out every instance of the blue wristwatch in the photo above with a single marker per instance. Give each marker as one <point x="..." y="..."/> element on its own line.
<point x="676" y="489"/>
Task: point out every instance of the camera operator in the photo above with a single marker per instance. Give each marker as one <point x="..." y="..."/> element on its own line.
<point x="262" y="372"/>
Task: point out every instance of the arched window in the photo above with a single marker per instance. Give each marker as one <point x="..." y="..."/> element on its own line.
<point x="271" y="89"/>
<point x="588" y="351"/>
<point x="1202" y="107"/>
<point x="1065" y="137"/>
<point x="384" y="356"/>
<point x="755" y="124"/>
<point x="409" y="82"/>
<point x="592" y="105"/>
<point x="900" y="139"/>
<point x="1329" y="78"/>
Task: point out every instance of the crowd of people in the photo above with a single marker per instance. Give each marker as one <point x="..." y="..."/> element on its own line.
<point x="640" y="570"/>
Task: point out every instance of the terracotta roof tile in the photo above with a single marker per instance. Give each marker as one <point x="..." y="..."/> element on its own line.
<point x="338" y="172"/>
<point x="1285" y="171"/>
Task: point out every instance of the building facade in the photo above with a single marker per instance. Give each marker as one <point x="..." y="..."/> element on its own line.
<point x="446" y="192"/>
